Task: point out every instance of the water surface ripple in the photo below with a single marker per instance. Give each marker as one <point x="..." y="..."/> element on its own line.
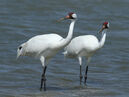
<point x="108" y="74"/>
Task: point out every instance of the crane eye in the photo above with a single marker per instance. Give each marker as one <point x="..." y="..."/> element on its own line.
<point x="20" y="47"/>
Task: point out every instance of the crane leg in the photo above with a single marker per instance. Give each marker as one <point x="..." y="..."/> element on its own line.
<point x="80" y="62"/>
<point x="80" y="74"/>
<point x="85" y="75"/>
<point x="43" y="79"/>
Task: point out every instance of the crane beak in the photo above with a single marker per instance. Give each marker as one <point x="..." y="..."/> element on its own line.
<point x="101" y="30"/>
<point x="103" y="27"/>
<point x="61" y="19"/>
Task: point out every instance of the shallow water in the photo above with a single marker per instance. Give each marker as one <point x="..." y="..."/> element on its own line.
<point x="108" y="74"/>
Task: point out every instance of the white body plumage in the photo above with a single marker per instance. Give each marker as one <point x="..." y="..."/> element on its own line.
<point x="85" y="46"/>
<point x="46" y="46"/>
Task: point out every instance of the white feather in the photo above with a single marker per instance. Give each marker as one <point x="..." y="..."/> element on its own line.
<point x="45" y="45"/>
<point x="84" y="46"/>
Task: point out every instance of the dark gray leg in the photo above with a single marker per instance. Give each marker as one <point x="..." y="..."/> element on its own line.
<point x="43" y="79"/>
<point x="80" y="74"/>
<point x="85" y="75"/>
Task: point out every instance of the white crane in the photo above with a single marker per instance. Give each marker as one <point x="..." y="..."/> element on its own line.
<point x="85" y="46"/>
<point x="46" y="46"/>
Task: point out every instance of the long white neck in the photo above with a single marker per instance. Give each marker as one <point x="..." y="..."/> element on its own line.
<point x="67" y="40"/>
<point x="103" y="38"/>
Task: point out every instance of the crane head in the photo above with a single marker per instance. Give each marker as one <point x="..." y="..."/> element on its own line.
<point x="104" y="26"/>
<point x="70" y="15"/>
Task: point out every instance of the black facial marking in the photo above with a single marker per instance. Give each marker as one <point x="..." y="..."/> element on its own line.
<point x="70" y="14"/>
<point x="106" y="26"/>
